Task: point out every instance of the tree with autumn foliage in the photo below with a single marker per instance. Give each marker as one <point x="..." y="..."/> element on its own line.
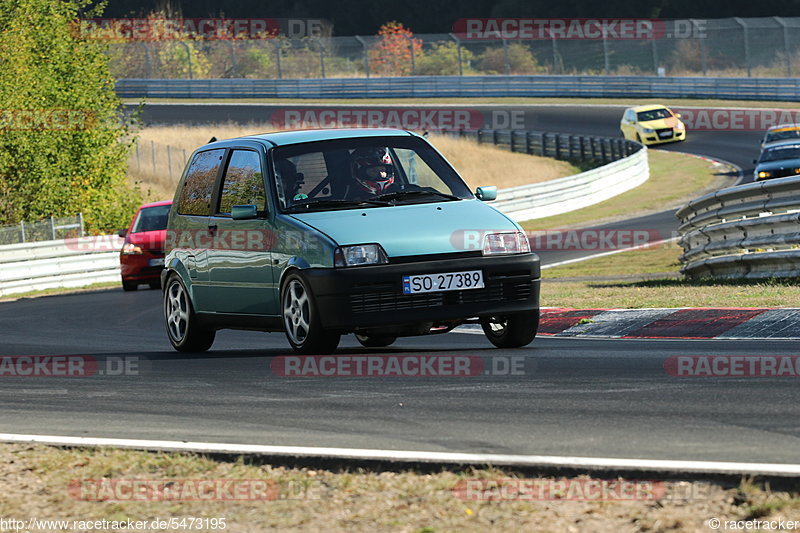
<point x="391" y="55"/>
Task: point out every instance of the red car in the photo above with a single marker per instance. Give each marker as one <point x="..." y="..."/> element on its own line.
<point x="142" y="254"/>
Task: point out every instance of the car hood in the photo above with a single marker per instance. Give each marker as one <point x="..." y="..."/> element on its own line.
<point x="779" y="164"/>
<point x="419" y="229"/>
<point x="660" y="123"/>
<point x="148" y="240"/>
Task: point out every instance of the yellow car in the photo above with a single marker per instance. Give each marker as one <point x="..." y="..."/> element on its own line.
<point x="652" y="124"/>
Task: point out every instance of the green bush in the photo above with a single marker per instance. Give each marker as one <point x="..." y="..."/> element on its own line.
<point x="63" y="147"/>
<point x="442" y="60"/>
<point x="520" y="60"/>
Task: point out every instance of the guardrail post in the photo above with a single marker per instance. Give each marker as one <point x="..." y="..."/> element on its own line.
<point x="366" y="53"/>
<point x="53" y="227"/>
<point x="603" y="150"/>
<point x="277" y="46"/>
<point x="506" y="61"/>
<point x="743" y="24"/>
<point x="188" y="57"/>
<point x="528" y="142"/>
<point x="80" y="221"/>
<point x="701" y="38"/>
<point x="786" y="52"/>
<point x="494" y="137"/>
<point x="458" y="53"/>
<point x="569" y="144"/>
<point x="581" y="145"/>
<point x="21" y="231"/>
<point x="558" y="146"/>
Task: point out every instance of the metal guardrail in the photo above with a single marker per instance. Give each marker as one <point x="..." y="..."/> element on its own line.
<point x="778" y="89"/>
<point x="528" y="202"/>
<point x="51" y="228"/>
<point x="746" y="231"/>
<point x="59" y="264"/>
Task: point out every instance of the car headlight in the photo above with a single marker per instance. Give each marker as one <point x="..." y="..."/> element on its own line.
<point x="680" y="126"/>
<point x="648" y="130"/>
<point x="764" y="174"/>
<point x="506" y="243"/>
<point x="131" y="249"/>
<point x="359" y="254"/>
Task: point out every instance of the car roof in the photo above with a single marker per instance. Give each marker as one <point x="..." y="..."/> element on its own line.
<point x="282" y="138"/>
<point x="782" y="127"/>
<point x="155" y="204"/>
<point x="649" y="107"/>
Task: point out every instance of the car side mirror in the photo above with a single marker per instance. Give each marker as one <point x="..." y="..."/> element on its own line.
<point x="678" y="115"/>
<point x="486" y="193"/>
<point x="122" y="233"/>
<point x="244" y="212"/>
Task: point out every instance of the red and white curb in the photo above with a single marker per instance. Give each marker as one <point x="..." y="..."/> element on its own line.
<point x="669" y="323"/>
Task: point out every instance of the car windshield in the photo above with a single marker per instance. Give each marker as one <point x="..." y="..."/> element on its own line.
<point x="783" y="135"/>
<point x="653" y="114"/>
<point x="151" y="219"/>
<point x="363" y="172"/>
<point x="780" y="153"/>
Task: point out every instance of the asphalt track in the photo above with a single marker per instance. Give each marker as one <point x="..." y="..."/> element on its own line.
<point x="581" y="397"/>
<point x="594" y="398"/>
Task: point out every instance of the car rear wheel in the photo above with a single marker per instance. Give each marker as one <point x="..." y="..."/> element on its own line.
<point x="369" y="341"/>
<point x="129" y="285"/>
<point x="301" y="320"/>
<point x="183" y="329"/>
<point x="511" y="331"/>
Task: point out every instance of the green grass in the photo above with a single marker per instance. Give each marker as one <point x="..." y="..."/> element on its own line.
<point x="677" y="102"/>
<point x="621" y="281"/>
<point x="674" y="180"/>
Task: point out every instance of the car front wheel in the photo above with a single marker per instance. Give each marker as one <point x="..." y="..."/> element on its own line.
<point x="184" y="331"/>
<point x="511" y="331"/>
<point x="301" y="320"/>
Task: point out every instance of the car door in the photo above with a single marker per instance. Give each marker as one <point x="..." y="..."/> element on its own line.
<point x="628" y="124"/>
<point x="188" y="234"/>
<point x="240" y="260"/>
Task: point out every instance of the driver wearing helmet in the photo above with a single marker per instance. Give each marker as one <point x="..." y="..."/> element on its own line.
<point x="373" y="172"/>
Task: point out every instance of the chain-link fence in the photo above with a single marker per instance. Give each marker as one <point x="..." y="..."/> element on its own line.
<point x="43" y="230"/>
<point x="758" y="47"/>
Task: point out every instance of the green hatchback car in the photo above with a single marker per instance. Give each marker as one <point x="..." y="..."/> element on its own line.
<point x="322" y="233"/>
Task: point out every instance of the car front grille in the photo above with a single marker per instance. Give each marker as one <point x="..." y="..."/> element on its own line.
<point x="496" y="290"/>
<point x="662" y="133"/>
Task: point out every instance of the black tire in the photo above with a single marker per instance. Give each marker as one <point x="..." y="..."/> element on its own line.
<point x="511" y="331"/>
<point x="129" y="286"/>
<point x="155" y="284"/>
<point x="301" y="321"/>
<point x="368" y="341"/>
<point x="184" y="331"/>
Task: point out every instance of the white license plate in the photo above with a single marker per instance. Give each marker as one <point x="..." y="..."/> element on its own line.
<point x="446" y="281"/>
<point x="157" y="262"/>
<point x="665" y="134"/>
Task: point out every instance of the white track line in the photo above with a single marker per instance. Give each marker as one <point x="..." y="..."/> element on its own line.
<point x="612" y="252"/>
<point x="601" y="463"/>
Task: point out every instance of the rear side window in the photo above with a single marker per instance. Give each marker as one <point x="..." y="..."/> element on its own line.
<point x="197" y="188"/>
<point x="152" y="219"/>
<point x="243" y="183"/>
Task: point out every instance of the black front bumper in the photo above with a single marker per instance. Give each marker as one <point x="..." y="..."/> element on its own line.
<point x="372" y="296"/>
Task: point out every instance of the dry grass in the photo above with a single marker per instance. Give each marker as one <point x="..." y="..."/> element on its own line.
<point x="36" y="478"/>
<point x="674" y="180"/>
<point x="478" y="164"/>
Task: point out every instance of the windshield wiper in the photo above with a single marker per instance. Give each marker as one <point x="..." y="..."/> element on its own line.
<point x="335" y="202"/>
<point x="403" y="194"/>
